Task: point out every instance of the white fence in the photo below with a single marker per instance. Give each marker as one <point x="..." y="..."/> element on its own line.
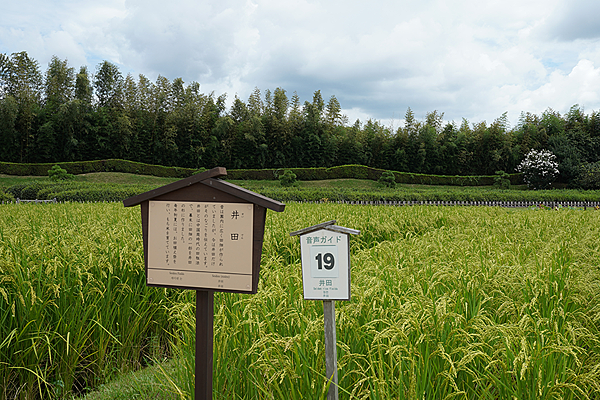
<point x="37" y="201"/>
<point x="507" y="204"/>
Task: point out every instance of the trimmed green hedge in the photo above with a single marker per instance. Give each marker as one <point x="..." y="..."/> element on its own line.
<point x="303" y="174"/>
<point x="85" y="167"/>
<point x="6" y="197"/>
<point x="96" y="194"/>
<point x="467" y="194"/>
<point x="41" y="190"/>
<point x="91" y="192"/>
<point x="75" y="191"/>
<point x="363" y="172"/>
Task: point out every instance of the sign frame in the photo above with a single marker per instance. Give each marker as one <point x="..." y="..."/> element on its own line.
<point x="315" y="278"/>
<point x="325" y="265"/>
<point x="206" y="188"/>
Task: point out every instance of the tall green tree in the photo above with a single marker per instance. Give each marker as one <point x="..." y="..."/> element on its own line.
<point x="82" y="115"/>
<point x="313" y="134"/>
<point x="350" y="148"/>
<point x="113" y="133"/>
<point x="83" y="87"/>
<point x="165" y="133"/>
<point x="333" y="114"/>
<point x="447" y="151"/>
<point x="415" y="151"/>
<point x="277" y="129"/>
<point x="59" y="84"/>
<point x="144" y="122"/>
<point x="4" y="70"/>
<point x="21" y="79"/>
<point x="55" y="139"/>
<point x="9" y="137"/>
<point x="108" y="85"/>
<point x="186" y="117"/>
<point x="255" y="103"/>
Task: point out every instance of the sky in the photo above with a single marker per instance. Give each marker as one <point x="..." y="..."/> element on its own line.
<point x="471" y="59"/>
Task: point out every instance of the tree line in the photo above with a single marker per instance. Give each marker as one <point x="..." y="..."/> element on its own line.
<point x="66" y="115"/>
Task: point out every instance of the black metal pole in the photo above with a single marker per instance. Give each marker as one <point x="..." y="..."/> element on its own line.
<point x="204" y="344"/>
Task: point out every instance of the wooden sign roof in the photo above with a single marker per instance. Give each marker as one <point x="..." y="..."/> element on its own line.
<point x="208" y="178"/>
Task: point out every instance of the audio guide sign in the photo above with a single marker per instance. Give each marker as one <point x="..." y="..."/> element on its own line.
<point x="325" y="255"/>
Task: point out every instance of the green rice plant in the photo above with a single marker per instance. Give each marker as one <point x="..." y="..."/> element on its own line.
<point x="476" y="302"/>
<point x="74" y="307"/>
<point x="447" y="302"/>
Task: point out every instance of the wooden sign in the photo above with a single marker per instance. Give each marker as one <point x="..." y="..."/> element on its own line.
<point x="203" y="233"/>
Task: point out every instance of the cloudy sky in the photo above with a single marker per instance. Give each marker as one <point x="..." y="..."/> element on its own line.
<point x="469" y="59"/>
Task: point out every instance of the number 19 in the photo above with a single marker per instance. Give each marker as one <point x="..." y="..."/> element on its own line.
<point x="326" y="260"/>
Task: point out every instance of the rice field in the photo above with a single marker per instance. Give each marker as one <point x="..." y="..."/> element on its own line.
<point x="74" y="309"/>
<point x="447" y="302"/>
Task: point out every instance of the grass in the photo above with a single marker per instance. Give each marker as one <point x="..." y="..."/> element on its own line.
<point x="133" y="179"/>
<point x="359" y="184"/>
<point x="123" y="178"/>
<point x="142" y="384"/>
<point x="118" y="186"/>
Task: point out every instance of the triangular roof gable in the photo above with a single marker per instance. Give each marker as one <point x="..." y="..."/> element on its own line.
<point x="329" y="225"/>
<point x="206" y="178"/>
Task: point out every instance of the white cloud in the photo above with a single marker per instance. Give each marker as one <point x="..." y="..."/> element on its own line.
<point x="75" y="30"/>
<point x="467" y="58"/>
<point x="580" y="86"/>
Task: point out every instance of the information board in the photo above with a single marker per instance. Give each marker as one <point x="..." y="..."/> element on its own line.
<point x="200" y="244"/>
<point x="325" y="265"/>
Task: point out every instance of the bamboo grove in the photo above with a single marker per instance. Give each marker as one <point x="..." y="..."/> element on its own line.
<point x="64" y="115"/>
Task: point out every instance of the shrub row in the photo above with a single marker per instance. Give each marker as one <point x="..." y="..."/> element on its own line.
<point x="363" y="172"/>
<point x="96" y="194"/>
<point x="333" y="195"/>
<point x="303" y="174"/>
<point x="38" y="190"/>
<point x="74" y="191"/>
<point x="91" y="192"/>
<point x="6" y="197"/>
<point x="85" y="167"/>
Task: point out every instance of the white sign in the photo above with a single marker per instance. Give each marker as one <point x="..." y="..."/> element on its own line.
<point x="325" y="265"/>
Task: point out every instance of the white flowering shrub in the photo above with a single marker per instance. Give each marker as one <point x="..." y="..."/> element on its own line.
<point x="539" y="169"/>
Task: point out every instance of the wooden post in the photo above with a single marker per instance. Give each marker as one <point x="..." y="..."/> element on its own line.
<point x="204" y="344"/>
<point x="240" y="240"/>
<point x="330" y="349"/>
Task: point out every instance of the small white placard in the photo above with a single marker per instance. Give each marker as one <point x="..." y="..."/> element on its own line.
<point x="325" y="265"/>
